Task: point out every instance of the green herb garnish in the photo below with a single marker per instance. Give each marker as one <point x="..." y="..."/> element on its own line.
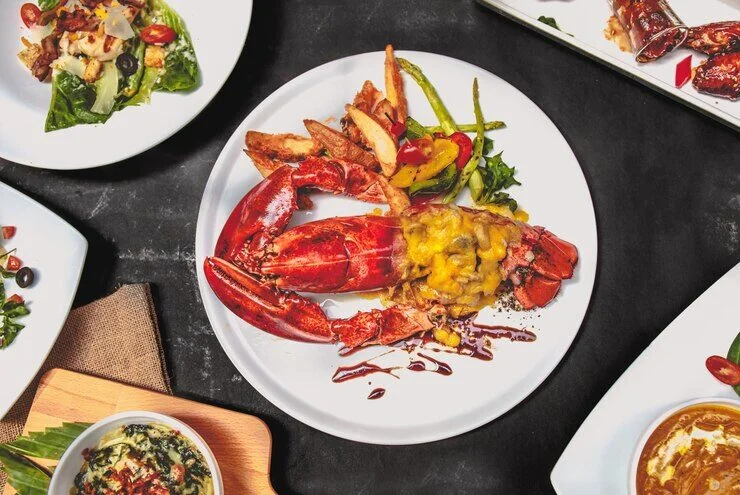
<point x="550" y="21"/>
<point x="9" y="312"/>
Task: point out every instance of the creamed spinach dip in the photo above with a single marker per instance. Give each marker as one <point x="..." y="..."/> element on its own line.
<point x="144" y="459"/>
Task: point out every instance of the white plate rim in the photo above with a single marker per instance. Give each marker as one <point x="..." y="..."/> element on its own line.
<point x="77" y="271"/>
<point x="131" y="151"/>
<point x="210" y="306"/>
<point x="558" y="473"/>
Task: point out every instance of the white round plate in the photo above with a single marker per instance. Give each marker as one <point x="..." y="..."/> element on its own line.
<point x="218" y="40"/>
<point x="418" y="407"/>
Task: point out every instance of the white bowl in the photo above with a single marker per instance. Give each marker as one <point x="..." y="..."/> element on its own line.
<point x="71" y="462"/>
<point x="658" y="421"/>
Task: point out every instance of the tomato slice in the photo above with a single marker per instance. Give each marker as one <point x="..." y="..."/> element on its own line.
<point x="398" y="129"/>
<point x="724" y="370"/>
<point x="158" y="34"/>
<point x="15" y="298"/>
<point x="30" y="14"/>
<point x="8" y="232"/>
<point x="13" y="263"/>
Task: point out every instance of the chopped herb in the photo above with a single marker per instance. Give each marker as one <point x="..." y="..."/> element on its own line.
<point x="550" y="21"/>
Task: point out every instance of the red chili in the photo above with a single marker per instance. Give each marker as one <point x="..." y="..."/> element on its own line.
<point x="30" y="14"/>
<point x="15" y="298"/>
<point x="466" y="148"/>
<point x="683" y="72"/>
<point x="13" y="263"/>
<point x="8" y="232"/>
<point x="398" y="129"/>
<point x="724" y="370"/>
<point x="415" y="151"/>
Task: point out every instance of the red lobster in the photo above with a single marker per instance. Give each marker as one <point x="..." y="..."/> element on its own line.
<point x="258" y="264"/>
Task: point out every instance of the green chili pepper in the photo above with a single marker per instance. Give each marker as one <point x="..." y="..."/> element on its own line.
<point x="443" y="115"/>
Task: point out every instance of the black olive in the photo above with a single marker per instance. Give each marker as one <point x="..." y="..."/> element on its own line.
<point x="127" y="64"/>
<point x="24" y="277"/>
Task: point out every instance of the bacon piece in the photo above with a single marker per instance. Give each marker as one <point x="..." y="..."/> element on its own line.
<point x="41" y="68"/>
<point x="78" y="20"/>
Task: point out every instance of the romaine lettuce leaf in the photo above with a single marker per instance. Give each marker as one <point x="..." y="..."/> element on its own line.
<point x="181" y="71"/>
<point x="71" y="100"/>
<point x="146" y="86"/>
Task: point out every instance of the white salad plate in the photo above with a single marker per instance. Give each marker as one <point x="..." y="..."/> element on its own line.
<point x="585" y="20"/>
<point x="418" y="407"/>
<point x="56" y="252"/>
<point x="62" y="481"/>
<point x="218" y="40"/>
<point x="669" y="372"/>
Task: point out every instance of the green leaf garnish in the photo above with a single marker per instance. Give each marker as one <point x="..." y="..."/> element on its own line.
<point x="25" y="476"/>
<point x="48" y="444"/>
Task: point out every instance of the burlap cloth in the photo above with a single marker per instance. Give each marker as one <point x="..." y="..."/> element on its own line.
<point x="116" y="337"/>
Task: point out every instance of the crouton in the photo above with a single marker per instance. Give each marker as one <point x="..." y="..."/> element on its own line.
<point x="154" y="56"/>
<point x="92" y="70"/>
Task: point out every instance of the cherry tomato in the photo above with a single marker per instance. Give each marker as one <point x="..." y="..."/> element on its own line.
<point x="415" y="151"/>
<point x="8" y="232"/>
<point x="30" y="14"/>
<point x="13" y="263"/>
<point x="466" y="148"/>
<point x="158" y="34"/>
<point x="15" y="298"/>
<point x="724" y="370"/>
<point x="398" y="129"/>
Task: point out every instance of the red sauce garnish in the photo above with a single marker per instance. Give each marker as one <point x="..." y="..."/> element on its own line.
<point x="376" y="394"/>
<point x="359" y="370"/>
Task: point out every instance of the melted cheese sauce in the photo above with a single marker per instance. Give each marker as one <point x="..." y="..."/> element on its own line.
<point x="454" y="258"/>
<point x="694" y="452"/>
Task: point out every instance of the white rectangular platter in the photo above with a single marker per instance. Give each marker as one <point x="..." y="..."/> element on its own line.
<point x="586" y="20"/>
<point x="56" y="252"/>
<point x="670" y="371"/>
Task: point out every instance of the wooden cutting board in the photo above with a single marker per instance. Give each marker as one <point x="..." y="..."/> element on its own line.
<point x="241" y="443"/>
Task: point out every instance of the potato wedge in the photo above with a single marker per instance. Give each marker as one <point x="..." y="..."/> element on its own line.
<point x="263" y="163"/>
<point x="285" y="147"/>
<point x="382" y="143"/>
<point x="394" y="85"/>
<point x="385" y="114"/>
<point x="340" y="146"/>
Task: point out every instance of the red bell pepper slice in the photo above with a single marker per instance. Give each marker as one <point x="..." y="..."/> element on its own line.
<point x="466" y="148"/>
<point x="398" y="129"/>
<point x="683" y="72"/>
<point x="415" y="151"/>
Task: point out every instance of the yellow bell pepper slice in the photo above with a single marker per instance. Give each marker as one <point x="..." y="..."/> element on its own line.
<point x="444" y="152"/>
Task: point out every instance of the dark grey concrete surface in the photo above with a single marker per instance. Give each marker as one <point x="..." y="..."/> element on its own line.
<point x="665" y="182"/>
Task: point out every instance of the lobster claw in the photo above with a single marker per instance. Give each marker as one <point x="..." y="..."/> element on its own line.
<point x="282" y="313"/>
